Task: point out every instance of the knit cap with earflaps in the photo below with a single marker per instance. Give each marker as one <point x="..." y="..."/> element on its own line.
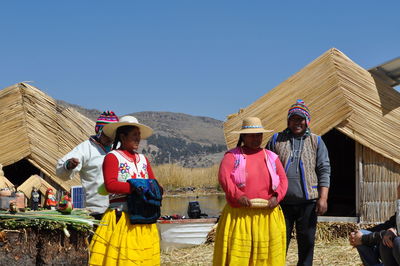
<point x="300" y="109"/>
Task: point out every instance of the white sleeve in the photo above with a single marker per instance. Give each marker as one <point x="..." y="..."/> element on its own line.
<point x="79" y="153"/>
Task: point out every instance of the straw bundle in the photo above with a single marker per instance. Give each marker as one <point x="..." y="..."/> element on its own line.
<point x="78" y="219"/>
<point x="328" y="231"/>
<point x="37" y="182"/>
<point x="342" y="95"/>
<point x="39" y="130"/>
<point x="339" y="94"/>
<point x="4" y="182"/>
<point x="211" y="235"/>
<point x="259" y="203"/>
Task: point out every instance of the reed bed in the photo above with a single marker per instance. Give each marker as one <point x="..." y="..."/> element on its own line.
<point x="335" y="252"/>
<point x="173" y="176"/>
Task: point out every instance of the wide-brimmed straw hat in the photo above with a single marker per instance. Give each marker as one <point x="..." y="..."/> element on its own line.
<point x="251" y="125"/>
<point x="111" y="129"/>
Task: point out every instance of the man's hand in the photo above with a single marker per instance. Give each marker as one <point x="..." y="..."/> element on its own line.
<point x="322" y="206"/>
<point x="72" y="163"/>
<point x="244" y="201"/>
<point x="272" y="202"/>
<point x="322" y="202"/>
<point x="388" y="237"/>
<point x="355" y="238"/>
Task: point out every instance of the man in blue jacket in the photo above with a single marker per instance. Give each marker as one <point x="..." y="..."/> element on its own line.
<point x="306" y="161"/>
<point x="380" y="244"/>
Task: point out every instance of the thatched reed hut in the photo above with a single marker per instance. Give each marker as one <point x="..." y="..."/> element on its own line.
<point x="35" y="132"/>
<point x="358" y="115"/>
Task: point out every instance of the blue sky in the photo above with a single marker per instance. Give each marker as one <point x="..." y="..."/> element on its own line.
<point x="206" y="58"/>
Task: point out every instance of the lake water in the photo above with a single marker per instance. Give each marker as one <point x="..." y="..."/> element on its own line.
<point x="209" y="204"/>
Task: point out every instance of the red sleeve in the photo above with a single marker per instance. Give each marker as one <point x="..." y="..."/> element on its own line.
<point x="110" y="174"/>
<point x="149" y="170"/>
<point x="232" y="192"/>
<point x="283" y="182"/>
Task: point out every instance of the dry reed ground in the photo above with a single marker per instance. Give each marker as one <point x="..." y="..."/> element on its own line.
<point x="335" y="252"/>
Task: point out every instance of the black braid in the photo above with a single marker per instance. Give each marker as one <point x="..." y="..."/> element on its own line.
<point x="116" y="140"/>
<point x="121" y="130"/>
<point x="240" y="141"/>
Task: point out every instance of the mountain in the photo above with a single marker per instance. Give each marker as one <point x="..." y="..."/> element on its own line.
<point x="191" y="141"/>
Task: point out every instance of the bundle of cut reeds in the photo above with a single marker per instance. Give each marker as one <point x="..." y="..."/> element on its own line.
<point x="47" y="219"/>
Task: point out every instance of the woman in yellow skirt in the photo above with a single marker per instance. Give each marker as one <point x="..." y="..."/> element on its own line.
<point x="117" y="241"/>
<point x="251" y="229"/>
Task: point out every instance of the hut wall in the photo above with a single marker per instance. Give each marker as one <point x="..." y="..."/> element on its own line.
<point x="379" y="178"/>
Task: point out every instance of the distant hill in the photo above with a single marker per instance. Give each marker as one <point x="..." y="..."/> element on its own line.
<point x="191" y="141"/>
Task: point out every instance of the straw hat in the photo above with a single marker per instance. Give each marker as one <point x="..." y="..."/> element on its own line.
<point x="111" y="129"/>
<point x="251" y="125"/>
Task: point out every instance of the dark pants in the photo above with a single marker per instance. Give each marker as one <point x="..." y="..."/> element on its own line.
<point x="390" y="256"/>
<point x="303" y="216"/>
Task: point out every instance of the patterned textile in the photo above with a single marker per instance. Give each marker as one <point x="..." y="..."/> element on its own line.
<point x="301" y="109"/>
<point x="106" y="117"/>
<point x="283" y="146"/>
<point x="144" y="203"/>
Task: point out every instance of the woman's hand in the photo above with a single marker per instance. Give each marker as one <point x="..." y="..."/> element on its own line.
<point x="272" y="202"/>
<point x="244" y="201"/>
<point x="388" y="237"/>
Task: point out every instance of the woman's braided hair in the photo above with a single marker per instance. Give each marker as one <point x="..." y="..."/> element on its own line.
<point x="240" y="141"/>
<point x="124" y="130"/>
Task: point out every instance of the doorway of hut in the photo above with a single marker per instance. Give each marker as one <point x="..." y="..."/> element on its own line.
<point x="19" y="172"/>
<point x="342" y="191"/>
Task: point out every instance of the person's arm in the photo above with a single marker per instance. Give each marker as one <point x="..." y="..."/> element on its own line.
<point x="384" y="226"/>
<point x="280" y="192"/>
<point x="283" y="182"/>
<point x="110" y="173"/>
<point x="355" y="238"/>
<point x="358" y="238"/>
<point x="323" y="170"/>
<point x="389" y="236"/>
<point x="233" y="193"/>
<point x="71" y="163"/>
<point x="269" y="145"/>
<point x="397" y="214"/>
<point x="322" y="202"/>
<point x="149" y="170"/>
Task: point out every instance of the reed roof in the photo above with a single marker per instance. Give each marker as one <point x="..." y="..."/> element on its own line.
<point x="4" y="182"/>
<point x="340" y="94"/>
<point x="37" y="182"/>
<point x="34" y="127"/>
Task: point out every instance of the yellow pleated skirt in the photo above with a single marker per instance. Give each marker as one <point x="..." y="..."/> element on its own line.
<point x="250" y="236"/>
<point x="123" y="243"/>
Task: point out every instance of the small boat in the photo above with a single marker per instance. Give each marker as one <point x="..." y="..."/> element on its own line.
<point x="182" y="233"/>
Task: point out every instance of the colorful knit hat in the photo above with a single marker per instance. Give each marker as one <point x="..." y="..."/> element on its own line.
<point x="105" y="118"/>
<point x="300" y="109"/>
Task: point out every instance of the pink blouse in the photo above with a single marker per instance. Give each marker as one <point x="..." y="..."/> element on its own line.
<point x="258" y="181"/>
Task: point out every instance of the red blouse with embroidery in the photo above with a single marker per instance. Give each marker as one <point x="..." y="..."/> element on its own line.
<point x="110" y="173"/>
